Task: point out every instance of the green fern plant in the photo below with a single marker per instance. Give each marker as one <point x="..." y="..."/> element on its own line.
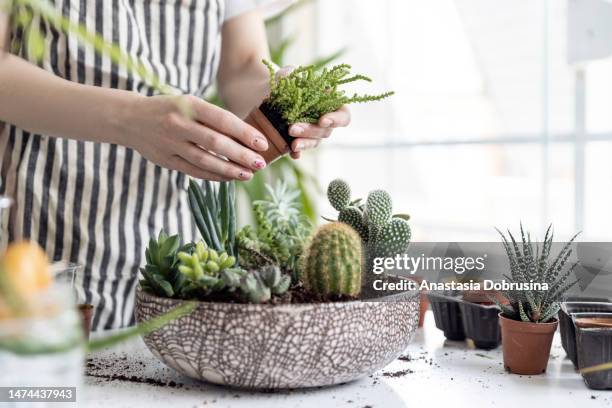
<point x="308" y="93"/>
<point x="280" y="233"/>
<point x="529" y="262"/>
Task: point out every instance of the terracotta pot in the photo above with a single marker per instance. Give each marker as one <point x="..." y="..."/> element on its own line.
<point x="271" y="124"/>
<point x="86" y="312"/>
<point x="484" y="297"/>
<point x="526" y="345"/>
<point x="266" y="346"/>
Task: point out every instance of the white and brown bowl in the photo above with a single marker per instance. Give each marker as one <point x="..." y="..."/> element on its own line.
<point x="282" y="346"/>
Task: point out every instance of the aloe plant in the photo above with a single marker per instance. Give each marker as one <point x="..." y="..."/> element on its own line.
<point x="530" y="262"/>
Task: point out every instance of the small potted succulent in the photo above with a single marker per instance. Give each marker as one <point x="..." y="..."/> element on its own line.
<point x="279" y="305"/>
<point x="302" y="96"/>
<point x="528" y="321"/>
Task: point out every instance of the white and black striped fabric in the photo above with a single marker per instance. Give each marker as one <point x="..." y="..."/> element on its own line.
<point x="97" y="204"/>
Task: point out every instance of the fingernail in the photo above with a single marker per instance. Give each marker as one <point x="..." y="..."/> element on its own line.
<point x="297" y="130"/>
<point x="299" y="147"/>
<point x="259" y="164"/>
<point x="260" y="143"/>
<point x="325" y="122"/>
<point x="244" y="175"/>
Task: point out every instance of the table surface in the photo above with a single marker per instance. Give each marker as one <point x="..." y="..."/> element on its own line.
<point x="432" y="372"/>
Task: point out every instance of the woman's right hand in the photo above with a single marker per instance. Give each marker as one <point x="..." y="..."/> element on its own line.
<point x="193" y="136"/>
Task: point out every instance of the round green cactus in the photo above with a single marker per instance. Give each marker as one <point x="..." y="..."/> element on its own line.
<point x="339" y="194"/>
<point x="332" y="261"/>
<point x="379" y="208"/>
<point x="393" y="238"/>
<point x="353" y="216"/>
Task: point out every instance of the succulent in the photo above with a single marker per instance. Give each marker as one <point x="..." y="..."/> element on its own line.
<point x="353" y="216"/>
<point x="206" y="271"/>
<point x="306" y="94"/>
<point x="339" y="194"/>
<point x="393" y="238"/>
<point x="213" y="210"/>
<point x="160" y="273"/>
<point x="259" y="285"/>
<point x="383" y="233"/>
<point x="332" y="261"/>
<point x="378" y="210"/>
<point x="280" y="233"/>
<point x="530" y="262"/>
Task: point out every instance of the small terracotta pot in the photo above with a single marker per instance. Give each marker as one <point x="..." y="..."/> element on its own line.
<point x="271" y="124"/>
<point x="484" y="297"/>
<point x="526" y="345"/>
<point x="86" y="312"/>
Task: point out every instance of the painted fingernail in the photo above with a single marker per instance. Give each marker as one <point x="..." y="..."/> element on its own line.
<point x="299" y="147"/>
<point x="325" y="122"/>
<point x="260" y="143"/>
<point x="244" y="175"/>
<point x="259" y="164"/>
<point x="297" y="130"/>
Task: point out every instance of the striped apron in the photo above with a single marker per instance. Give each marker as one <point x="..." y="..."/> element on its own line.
<point x="97" y="204"/>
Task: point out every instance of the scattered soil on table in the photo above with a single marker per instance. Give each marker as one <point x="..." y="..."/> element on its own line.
<point x="112" y="369"/>
<point x="397" y="374"/>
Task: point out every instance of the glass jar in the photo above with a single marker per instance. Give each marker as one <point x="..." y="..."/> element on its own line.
<point x="45" y="347"/>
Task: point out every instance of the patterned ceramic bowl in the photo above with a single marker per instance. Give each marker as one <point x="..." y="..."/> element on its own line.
<point x="282" y="346"/>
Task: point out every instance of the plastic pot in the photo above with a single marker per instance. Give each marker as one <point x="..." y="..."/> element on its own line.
<point x="526" y="345"/>
<point x="566" y="326"/>
<point x="594" y="347"/>
<point x="481" y="324"/>
<point x="272" y="125"/>
<point x="447" y="315"/>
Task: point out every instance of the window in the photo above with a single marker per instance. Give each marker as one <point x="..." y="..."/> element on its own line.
<point x="481" y="132"/>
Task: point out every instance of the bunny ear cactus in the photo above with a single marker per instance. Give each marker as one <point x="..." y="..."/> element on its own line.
<point x="339" y="194"/>
<point x="379" y="208"/>
<point x="382" y="233"/>
<point x="332" y="261"/>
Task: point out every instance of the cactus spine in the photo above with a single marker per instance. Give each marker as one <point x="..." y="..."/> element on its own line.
<point x="332" y="261"/>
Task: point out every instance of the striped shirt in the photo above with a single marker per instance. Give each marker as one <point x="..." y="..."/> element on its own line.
<point x="97" y="204"/>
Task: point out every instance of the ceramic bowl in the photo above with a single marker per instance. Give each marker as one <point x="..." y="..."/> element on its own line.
<point x="282" y="346"/>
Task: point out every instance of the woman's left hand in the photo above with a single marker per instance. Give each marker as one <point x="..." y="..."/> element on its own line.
<point x="309" y="135"/>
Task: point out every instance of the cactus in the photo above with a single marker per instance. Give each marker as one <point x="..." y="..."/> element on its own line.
<point x="393" y="238"/>
<point x="339" y="194"/>
<point x="260" y="285"/>
<point x="332" y="261"/>
<point x="353" y="216"/>
<point x="378" y="208"/>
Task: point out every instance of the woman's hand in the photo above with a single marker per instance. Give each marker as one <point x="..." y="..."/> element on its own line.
<point x="310" y="135"/>
<point x="194" y="137"/>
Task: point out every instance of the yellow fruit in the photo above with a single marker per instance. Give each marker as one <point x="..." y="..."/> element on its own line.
<point x="27" y="268"/>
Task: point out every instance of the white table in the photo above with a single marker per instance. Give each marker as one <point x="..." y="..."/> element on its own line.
<point x="440" y="373"/>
